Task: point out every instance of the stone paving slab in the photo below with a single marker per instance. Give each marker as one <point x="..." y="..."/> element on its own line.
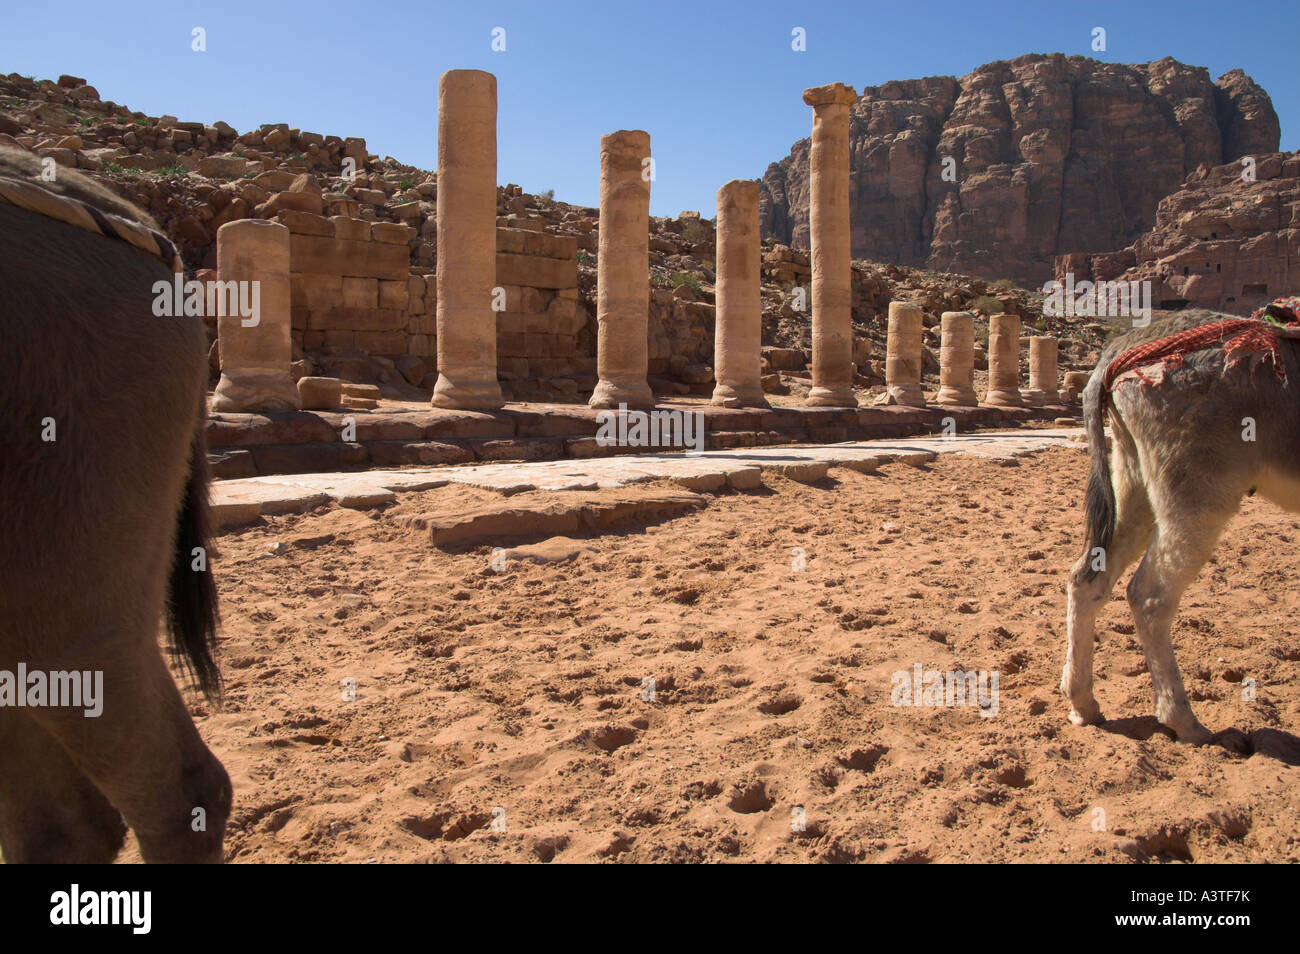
<point x="241" y="501"/>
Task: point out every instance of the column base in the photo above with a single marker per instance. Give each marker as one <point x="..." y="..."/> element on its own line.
<point x="820" y="396"/>
<point x="1033" y="397"/>
<point x="908" y="395"/>
<point x="1003" y="399"/>
<point x="265" y="389"/>
<point x="610" y="394"/>
<point x="467" y="395"/>
<point x="957" y="397"/>
<point x="726" y="395"/>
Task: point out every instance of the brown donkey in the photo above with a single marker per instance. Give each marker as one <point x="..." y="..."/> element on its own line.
<point x="103" y="501"/>
<point x="1190" y="438"/>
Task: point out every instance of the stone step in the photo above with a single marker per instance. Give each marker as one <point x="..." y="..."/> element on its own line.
<point x="243" y="501"/>
<point x="248" y="445"/>
<point x="537" y="515"/>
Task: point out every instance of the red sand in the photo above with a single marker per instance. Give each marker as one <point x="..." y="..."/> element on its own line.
<point x="522" y="690"/>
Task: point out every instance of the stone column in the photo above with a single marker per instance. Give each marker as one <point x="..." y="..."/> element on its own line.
<point x="1004" y="362"/>
<point x="957" y="360"/>
<point x="1043" y="388"/>
<point x="828" y="219"/>
<point x="903" y="354"/>
<point x="738" y="330"/>
<point x="1075" y="382"/>
<point x="256" y="350"/>
<point x="623" y="272"/>
<point x="467" y="241"/>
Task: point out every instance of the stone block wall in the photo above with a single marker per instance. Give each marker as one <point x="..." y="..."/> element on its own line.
<point x="537" y="333"/>
<point x="353" y="290"/>
<point x="352" y="287"/>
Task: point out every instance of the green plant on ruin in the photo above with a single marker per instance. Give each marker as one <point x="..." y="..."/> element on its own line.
<point x="689" y="279"/>
<point x="406" y="184"/>
<point x="583" y="256"/>
<point x="547" y="198"/>
<point x="986" y="305"/>
<point x="124" y="170"/>
<point x="171" y="169"/>
<point x="86" y="121"/>
<point x="1005" y="284"/>
<point x="695" y="232"/>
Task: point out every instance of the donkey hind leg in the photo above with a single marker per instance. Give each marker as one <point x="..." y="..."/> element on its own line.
<point x="50" y="812"/>
<point x="1182" y="545"/>
<point x="1085" y="597"/>
<point x="149" y="760"/>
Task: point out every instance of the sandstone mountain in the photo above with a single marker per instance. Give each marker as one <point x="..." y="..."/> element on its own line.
<point x="1053" y="154"/>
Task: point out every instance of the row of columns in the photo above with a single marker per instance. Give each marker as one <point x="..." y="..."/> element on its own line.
<point x="255" y="361"/>
<point x="957" y="361"/>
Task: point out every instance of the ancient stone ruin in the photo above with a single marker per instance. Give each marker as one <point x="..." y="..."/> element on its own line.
<point x="344" y="281"/>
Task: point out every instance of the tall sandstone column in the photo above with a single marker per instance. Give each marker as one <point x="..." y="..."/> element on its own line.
<point x="957" y="360"/>
<point x="623" y="272"/>
<point x="255" y="357"/>
<point x="828" y="219"/>
<point x="738" y="334"/>
<point x="1043" y="386"/>
<point x="903" y="354"/>
<point x="1004" y="362"/>
<point x="467" y="241"/>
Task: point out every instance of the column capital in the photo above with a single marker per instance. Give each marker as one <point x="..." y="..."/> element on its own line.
<point x="629" y="143"/>
<point x="739" y="190"/>
<point x="829" y="95"/>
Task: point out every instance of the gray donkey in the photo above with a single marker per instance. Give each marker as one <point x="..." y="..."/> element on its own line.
<point x="103" y="500"/>
<point x="1188" y="442"/>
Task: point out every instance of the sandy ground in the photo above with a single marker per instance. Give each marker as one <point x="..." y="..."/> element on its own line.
<point x="515" y="698"/>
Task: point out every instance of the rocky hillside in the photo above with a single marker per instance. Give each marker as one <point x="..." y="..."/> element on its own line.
<point x="1222" y="241"/>
<point x="1053" y="154"/>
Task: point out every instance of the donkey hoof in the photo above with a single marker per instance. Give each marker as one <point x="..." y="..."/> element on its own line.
<point x="1196" y="734"/>
<point x="1089" y="714"/>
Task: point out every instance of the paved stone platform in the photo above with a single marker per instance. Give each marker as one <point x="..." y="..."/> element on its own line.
<point x="241" y="501"/>
<point x="400" y="435"/>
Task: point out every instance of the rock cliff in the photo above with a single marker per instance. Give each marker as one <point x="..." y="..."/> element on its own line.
<point x="1049" y="154"/>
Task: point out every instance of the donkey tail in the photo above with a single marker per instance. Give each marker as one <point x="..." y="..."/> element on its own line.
<point x="192" y="592"/>
<point x="1100" y="502"/>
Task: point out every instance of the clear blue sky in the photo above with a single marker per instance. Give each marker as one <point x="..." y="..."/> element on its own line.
<point x="716" y="84"/>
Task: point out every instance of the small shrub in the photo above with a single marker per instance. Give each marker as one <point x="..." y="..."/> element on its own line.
<point x="686" y="278"/>
<point x="406" y="184"/>
<point x="171" y="169"/>
<point x="986" y="305"/>
<point x="1005" y="284"/>
<point x="695" y="232"/>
